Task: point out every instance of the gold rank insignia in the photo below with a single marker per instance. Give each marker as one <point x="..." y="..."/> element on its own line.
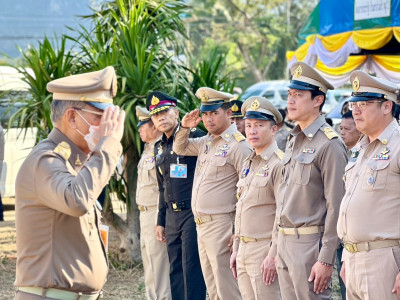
<point x="155" y="100"/>
<point x="310" y="135"/>
<point x="356" y="84"/>
<point x="298" y="72"/>
<point x="330" y="134"/>
<point x="280" y="154"/>
<point x="226" y="135"/>
<point x="238" y="136"/>
<point x="204" y="97"/>
<point x="384" y="141"/>
<point x="63" y="149"/>
<point x="255" y="105"/>
<point x="385" y="151"/>
<point x="78" y="161"/>
<point x="235" y="107"/>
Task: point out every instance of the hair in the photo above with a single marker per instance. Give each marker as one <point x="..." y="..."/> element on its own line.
<point x="315" y="93"/>
<point x="226" y="106"/>
<point x="58" y="108"/>
<point x="329" y="121"/>
<point x="151" y="124"/>
<point x="348" y="115"/>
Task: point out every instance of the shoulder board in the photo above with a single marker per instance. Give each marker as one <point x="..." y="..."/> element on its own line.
<point x="280" y="154"/>
<point x="63" y="149"/>
<point x="247" y="158"/>
<point x="238" y="136"/>
<point x="330" y="133"/>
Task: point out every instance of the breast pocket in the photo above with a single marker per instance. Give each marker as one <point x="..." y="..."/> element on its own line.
<point x="148" y="170"/>
<point x="348" y="171"/>
<point x="375" y="175"/>
<point x="218" y="167"/>
<point x="302" y="171"/>
<point x="260" y="183"/>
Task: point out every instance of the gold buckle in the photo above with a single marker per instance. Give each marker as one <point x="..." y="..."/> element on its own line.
<point x="175" y="206"/>
<point x="198" y="221"/>
<point x="352" y="248"/>
<point x="243" y="240"/>
<point x="281" y="230"/>
<point x="141" y="208"/>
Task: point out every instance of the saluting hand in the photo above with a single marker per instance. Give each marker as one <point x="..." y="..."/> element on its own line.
<point x="396" y="287"/>
<point x="321" y="275"/>
<point x="112" y="123"/>
<point x="191" y="119"/>
<point x="268" y="270"/>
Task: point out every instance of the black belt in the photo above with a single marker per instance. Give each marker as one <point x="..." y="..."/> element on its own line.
<point x="178" y="206"/>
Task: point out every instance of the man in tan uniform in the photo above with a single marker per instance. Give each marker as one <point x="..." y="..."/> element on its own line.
<point x="220" y="159"/>
<point x="369" y="214"/>
<point x="60" y="251"/>
<point x="154" y="254"/>
<point x="256" y="207"/>
<point x="310" y="192"/>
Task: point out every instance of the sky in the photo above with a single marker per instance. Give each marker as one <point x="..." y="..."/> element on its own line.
<point x="24" y="22"/>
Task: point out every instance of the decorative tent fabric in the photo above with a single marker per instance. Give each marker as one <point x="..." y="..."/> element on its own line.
<point x="339" y="43"/>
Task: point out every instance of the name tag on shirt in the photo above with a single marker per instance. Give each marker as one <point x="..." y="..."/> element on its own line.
<point x="178" y="171"/>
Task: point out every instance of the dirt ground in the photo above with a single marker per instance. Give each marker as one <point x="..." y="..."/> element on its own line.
<point x="125" y="280"/>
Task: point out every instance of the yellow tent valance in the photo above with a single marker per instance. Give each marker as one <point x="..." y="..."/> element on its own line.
<point x="389" y="62"/>
<point x="352" y="63"/>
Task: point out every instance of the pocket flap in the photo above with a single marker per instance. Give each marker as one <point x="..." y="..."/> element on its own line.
<point x="305" y="158"/>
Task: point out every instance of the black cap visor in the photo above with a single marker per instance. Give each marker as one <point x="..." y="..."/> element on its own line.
<point x="365" y="96"/>
<point x="259" y="116"/>
<point x="159" y="109"/>
<point x="143" y="122"/>
<point x="212" y="106"/>
<point x="300" y="85"/>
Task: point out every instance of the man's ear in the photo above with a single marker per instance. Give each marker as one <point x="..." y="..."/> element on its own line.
<point x="229" y="112"/>
<point x="70" y="117"/>
<point x="318" y="100"/>
<point x="387" y="107"/>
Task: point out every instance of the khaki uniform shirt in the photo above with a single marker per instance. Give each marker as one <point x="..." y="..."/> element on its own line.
<point x="147" y="187"/>
<point x="57" y="222"/>
<point x="218" y="167"/>
<point x="370" y="208"/>
<point x="312" y="186"/>
<point x="257" y="191"/>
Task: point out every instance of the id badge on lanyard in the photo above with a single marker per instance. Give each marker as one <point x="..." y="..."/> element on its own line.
<point x="178" y="170"/>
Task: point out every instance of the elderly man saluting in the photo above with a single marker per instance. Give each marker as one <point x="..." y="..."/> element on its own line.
<point x="60" y="251"/>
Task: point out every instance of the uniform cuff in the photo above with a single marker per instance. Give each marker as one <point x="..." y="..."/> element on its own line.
<point x="327" y="255"/>
<point x="235" y="244"/>
<point x="272" y="250"/>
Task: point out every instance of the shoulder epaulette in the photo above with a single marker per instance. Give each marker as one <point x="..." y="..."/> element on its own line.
<point x="63" y="149"/>
<point x="238" y="136"/>
<point x="330" y="133"/>
<point x="280" y="154"/>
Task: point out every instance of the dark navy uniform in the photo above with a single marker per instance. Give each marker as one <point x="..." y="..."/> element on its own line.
<point x="175" y="180"/>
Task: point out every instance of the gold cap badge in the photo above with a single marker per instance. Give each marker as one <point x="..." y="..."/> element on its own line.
<point x="155" y="100"/>
<point x="298" y="72"/>
<point x="235" y="107"/>
<point x="255" y="105"/>
<point x="204" y="97"/>
<point x="356" y="84"/>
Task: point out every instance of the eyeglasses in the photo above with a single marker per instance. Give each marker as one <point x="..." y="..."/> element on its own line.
<point x="90" y="111"/>
<point x="362" y="104"/>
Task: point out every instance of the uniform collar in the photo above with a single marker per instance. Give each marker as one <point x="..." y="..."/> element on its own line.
<point x="77" y="157"/>
<point x="312" y="129"/>
<point x="227" y="134"/>
<point x="267" y="153"/>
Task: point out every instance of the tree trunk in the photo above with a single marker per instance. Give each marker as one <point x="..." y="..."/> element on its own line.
<point x="129" y="229"/>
